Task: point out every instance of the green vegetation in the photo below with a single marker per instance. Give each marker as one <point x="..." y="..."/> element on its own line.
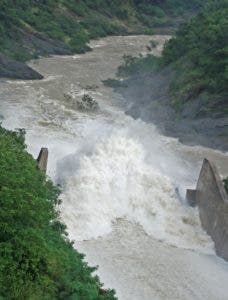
<point x="197" y="59"/>
<point x="26" y="24"/>
<point x="198" y="54"/>
<point x="37" y="261"/>
<point x="163" y="13"/>
<point x="225" y="181"/>
<point x="136" y="65"/>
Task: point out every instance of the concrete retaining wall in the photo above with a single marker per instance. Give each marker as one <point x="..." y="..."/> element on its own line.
<point x="211" y="198"/>
<point x="42" y="159"/>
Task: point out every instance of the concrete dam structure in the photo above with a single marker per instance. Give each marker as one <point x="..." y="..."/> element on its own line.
<point x="42" y="159"/>
<point x="210" y="196"/>
<point x="212" y="200"/>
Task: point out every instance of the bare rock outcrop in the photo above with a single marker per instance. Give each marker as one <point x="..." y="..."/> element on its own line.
<point x="10" y="68"/>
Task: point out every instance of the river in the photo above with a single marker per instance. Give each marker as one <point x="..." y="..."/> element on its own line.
<point x="119" y="177"/>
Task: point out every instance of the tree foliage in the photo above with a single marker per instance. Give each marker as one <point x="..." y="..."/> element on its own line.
<point x="75" y="22"/>
<point x="198" y="53"/>
<point x="37" y="261"/>
<point x="196" y="56"/>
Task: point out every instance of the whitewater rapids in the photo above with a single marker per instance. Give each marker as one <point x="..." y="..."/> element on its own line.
<point x="123" y="183"/>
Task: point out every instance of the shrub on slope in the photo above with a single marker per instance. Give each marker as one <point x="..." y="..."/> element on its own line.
<point x="26" y="25"/>
<point x="37" y="261"/>
<point x="196" y="61"/>
<point x="198" y="53"/>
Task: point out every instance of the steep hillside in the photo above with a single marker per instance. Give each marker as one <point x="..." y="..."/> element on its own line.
<point x="196" y="59"/>
<point x="37" y="261"/>
<point x="198" y="54"/>
<point x="185" y="90"/>
<point x="29" y="28"/>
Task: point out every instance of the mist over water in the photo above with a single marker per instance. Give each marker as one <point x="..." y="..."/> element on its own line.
<point x="129" y="172"/>
<point x="123" y="182"/>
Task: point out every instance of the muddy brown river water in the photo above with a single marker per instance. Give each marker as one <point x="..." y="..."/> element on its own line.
<point x="119" y="177"/>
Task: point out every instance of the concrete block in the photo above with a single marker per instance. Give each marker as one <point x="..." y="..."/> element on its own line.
<point x="212" y="200"/>
<point x="42" y="159"/>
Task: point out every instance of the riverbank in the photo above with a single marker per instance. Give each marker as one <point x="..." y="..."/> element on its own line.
<point x="147" y="97"/>
<point x="185" y="89"/>
<point x="13" y="69"/>
<point x="65" y="27"/>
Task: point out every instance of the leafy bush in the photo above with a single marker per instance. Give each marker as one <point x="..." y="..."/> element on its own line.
<point x="133" y="65"/>
<point x="78" y="42"/>
<point x="149" y="31"/>
<point x="37" y="261"/>
<point x="201" y="44"/>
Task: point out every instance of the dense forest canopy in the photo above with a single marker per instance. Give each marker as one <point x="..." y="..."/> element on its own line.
<point x="75" y="22"/>
<point x="197" y="58"/>
<point x="199" y="52"/>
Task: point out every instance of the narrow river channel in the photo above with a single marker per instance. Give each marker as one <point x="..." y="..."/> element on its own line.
<point x="119" y="177"/>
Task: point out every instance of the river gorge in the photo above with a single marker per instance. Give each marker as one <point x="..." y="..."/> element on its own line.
<point x="123" y="182"/>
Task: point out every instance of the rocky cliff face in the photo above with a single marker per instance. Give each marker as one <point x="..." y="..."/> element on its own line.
<point x="41" y="44"/>
<point x="17" y="70"/>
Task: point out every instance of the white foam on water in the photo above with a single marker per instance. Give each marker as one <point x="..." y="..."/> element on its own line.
<point x="116" y="177"/>
<point x="112" y="167"/>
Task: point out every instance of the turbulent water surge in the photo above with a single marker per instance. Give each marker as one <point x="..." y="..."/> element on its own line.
<point x="123" y="182"/>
